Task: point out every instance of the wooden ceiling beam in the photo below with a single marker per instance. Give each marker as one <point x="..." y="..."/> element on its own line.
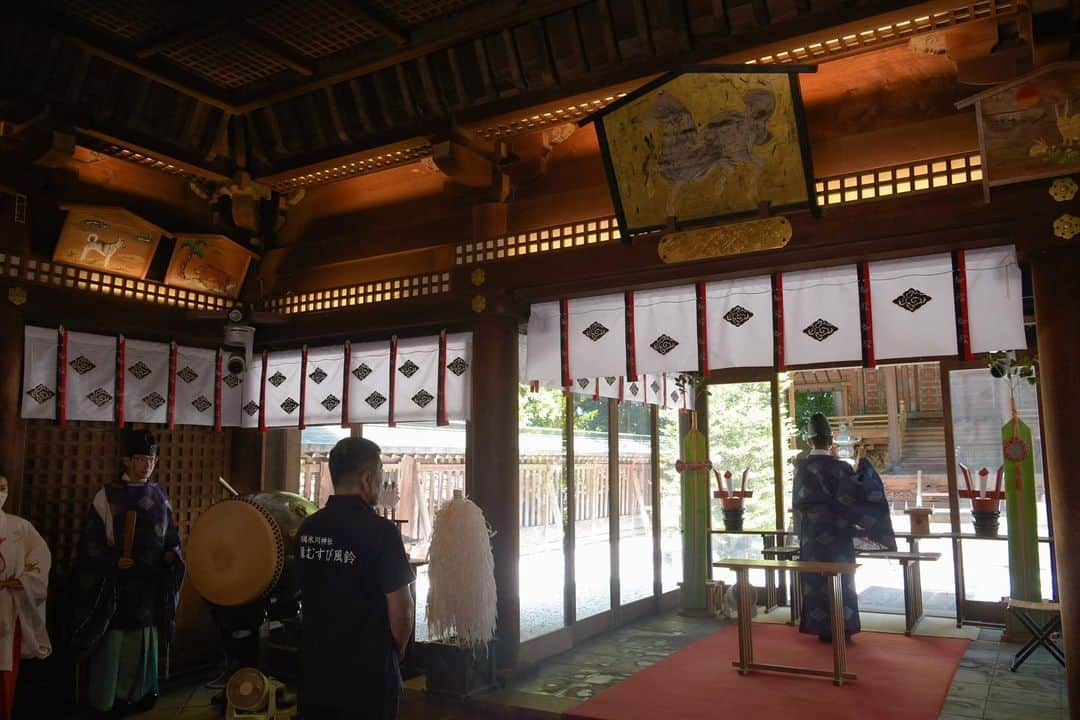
<point x="438" y="34"/>
<point x="95" y="44"/>
<point x="188" y="167"/>
<point x="380" y="22"/>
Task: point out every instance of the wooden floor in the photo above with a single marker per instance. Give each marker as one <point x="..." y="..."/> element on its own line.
<point x="983" y="689"/>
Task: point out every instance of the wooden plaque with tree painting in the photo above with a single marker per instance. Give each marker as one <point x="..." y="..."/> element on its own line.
<point x="208" y="263"/>
<point x="1030" y="128"/>
<point x="109" y="239"/>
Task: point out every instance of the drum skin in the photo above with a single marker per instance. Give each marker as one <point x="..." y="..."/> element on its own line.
<point x="241" y="550"/>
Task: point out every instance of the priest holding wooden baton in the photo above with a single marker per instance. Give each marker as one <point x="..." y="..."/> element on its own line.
<point x="126" y="584"/>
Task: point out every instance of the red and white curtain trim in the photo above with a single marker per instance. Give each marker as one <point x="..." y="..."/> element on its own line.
<point x="958" y="303"/>
<point x="79" y="376"/>
<point x="660" y="390"/>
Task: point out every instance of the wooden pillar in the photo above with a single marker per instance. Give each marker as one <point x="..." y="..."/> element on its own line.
<point x="11" y="425"/>
<point x="493" y="474"/>
<point x="893" y="409"/>
<point x="246" y="460"/>
<point x="1055" y="277"/>
<point x="779" y="442"/>
<point x="281" y="459"/>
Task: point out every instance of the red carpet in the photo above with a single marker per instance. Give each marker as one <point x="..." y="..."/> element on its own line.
<point x="898" y="677"/>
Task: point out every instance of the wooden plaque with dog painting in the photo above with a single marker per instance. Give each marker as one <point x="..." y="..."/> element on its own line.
<point x="707" y="145"/>
<point x="109" y="239"/>
<point x="208" y="263"/>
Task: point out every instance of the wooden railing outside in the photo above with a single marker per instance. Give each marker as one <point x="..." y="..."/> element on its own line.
<point x="427" y="482"/>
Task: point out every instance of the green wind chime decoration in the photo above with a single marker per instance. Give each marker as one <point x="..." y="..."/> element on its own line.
<point x="1019" y="467"/>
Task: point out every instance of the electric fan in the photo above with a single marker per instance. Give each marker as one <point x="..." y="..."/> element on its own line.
<point x="250" y="695"/>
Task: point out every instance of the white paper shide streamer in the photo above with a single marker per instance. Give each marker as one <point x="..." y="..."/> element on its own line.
<point x="461" y="597"/>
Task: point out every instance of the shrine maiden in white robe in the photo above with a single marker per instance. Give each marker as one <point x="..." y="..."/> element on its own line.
<point x="25" y="557"/>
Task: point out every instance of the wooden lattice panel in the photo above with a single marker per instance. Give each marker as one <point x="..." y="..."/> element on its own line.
<point x="913" y="177"/>
<point x="543" y="240"/>
<point x="66" y="466"/>
<point x="224" y="58"/>
<point x="379" y="291"/>
<point x="129" y="19"/>
<point x="44" y="272"/>
<point x="414" y="12"/>
<point x="315" y="28"/>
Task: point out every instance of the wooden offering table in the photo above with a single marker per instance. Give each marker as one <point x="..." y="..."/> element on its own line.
<point x="909" y="561"/>
<point x="834" y="571"/>
<point x="787" y="552"/>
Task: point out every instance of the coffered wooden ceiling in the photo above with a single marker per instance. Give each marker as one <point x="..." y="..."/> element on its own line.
<point x="284" y="86"/>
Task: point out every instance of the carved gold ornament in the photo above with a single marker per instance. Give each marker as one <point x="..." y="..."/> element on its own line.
<point x="17" y="295"/>
<point x="478" y="277"/>
<point x="1063" y="189"/>
<point x="745" y="237"/>
<point x="479" y="304"/>
<point x="1066" y="226"/>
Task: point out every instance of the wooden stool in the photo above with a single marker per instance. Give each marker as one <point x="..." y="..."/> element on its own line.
<point x="1039" y="636"/>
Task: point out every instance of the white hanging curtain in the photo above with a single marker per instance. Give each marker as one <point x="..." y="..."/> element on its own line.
<point x="913" y="307"/>
<point x="665" y="330"/>
<point x="251" y="409"/>
<point x="195" y="386"/>
<point x="416" y="380"/>
<point x="821" y="316"/>
<point x="585" y="386"/>
<point x="91" y="377"/>
<point x="609" y="387"/>
<point x="543" y="360"/>
<point x="456" y="377"/>
<point x="634" y="390"/>
<point x="655" y="387"/>
<point x="146" y="381"/>
<point x="39" y="389"/>
<point x="596" y="336"/>
<point x="676" y="398"/>
<point x="994" y="300"/>
<point x="282" y="388"/>
<point x="323" y="385"/>
<point x="232" y="396"/>
<point x="739" y="317"/>
<point x="369" y="382"/>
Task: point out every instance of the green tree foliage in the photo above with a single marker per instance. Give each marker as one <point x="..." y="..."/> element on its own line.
<point x="741" y="437"/>
<point x="809" y="402"/>
<point x="542" y="409"/>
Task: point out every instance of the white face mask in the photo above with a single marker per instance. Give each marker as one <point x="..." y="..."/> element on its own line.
<point x="3" y="497"/>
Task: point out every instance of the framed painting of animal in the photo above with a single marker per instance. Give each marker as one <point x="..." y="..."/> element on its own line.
<point x="109" y="239"/>
<point x="706" y="145"/>
<point x="208" y="263"/>
<point x="1029" y="128"/>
